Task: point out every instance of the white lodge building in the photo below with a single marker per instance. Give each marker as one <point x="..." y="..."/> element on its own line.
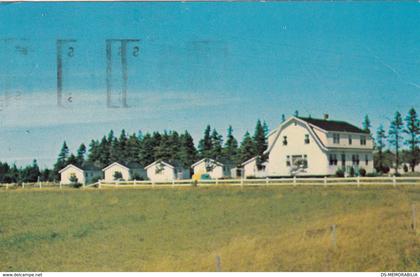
<point x="318" y="147"/>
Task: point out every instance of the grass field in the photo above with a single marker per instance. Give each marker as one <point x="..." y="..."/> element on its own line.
<point x="254" y="229"/>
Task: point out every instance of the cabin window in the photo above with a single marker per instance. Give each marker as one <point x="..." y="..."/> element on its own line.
<point x="306" y="139"/>
<point x="285" y="140"/>
<point x="333" y="159"/>
<point x="288" y="161"/>
<point x="343" y="160"/>
<point x="366" y="159"/>
<point x="350" y="140"/>
<point x="355" y="159"/>
<point x="362" y="140"/>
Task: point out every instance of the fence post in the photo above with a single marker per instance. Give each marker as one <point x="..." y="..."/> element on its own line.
<point x="99" y="184"/>
<point x="60" y="186"/>
<point x="242" y="182"/>
<point x="218" y="264"/>
<point x="394" y="181"/>
<point x="325" y="180"/>
<point x="7" y="186"/>
<point x="173" y="182"/>
<point x="294" y="180"/>
<point x="217" y="181"/>
<point x="358" y="181"/>
<point x="266" y="180"/>
<point x="40" y="185"/>
<point x="23" y="185"/>
<point x="333" y="236"/>
<point x="413" y="208"/>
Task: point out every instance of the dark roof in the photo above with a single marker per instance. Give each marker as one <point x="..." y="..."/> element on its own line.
<point x="89" y="166"/>
<point x="333" y="125"/>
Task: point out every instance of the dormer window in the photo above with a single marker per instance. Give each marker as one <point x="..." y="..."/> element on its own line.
<point x="350" y="140"/>
<point x="285" y="140"/>
<point x="306" y="139"/>
<point x="362" y="140"/>
<point x="336" y="138"/>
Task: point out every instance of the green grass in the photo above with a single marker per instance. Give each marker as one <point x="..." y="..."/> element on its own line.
<point x="254" y="229"/>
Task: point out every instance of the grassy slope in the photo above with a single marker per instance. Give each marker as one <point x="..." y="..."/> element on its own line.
<point x="257" y="229"/>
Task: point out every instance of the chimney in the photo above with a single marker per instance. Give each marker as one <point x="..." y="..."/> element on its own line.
<point x="326" y="116"/>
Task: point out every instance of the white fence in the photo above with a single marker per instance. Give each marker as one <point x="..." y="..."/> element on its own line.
<point x="326" y="181"/>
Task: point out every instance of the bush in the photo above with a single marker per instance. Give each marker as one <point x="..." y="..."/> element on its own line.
<point x="117" y="175"/>
<point x="352" y="172"/>
<point x="385" y="169"/>
<point x="362" y="172"/>
<point x="339" y="173"/>
<point x="405" y="168"/>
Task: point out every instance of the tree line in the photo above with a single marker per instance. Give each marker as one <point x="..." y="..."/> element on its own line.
<point x="146" y="148"/>
<point x="401" y="132"/>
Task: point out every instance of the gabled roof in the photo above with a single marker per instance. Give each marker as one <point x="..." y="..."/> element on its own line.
<point x="84" y="167"/>
<point x="69" y="166"/>
<point x="333" y="125"/>
<point x="130" y="165"/>
<point x="248" y="161"/>
<point x="171" y="164"/>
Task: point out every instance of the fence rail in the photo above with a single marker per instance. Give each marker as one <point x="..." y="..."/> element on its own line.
<point x="325" y="181"/>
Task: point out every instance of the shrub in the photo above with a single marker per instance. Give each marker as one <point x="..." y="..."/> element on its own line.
<point x="385" y="169"/>
<point x="362" y="172"/>
<point x="352" y="172"/>
<point x="117" y="175"/>
<point x="339" y="173"/>
<point x="405" y="168"/>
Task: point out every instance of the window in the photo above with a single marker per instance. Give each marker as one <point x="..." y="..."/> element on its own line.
<point x="343" y="160"/>
<point x="350" y="140"/>
<point x="336" y="138"/>
<point x="285" y="140"/>
<point x="306" y="139"/>
<point x="366" y="159"/>
<point x="288" y="161"/>
<point x="333" y="159"/>
<point x="362" y="140"/>
<point x="299" y="161"/>
<point x="355" y="159"/>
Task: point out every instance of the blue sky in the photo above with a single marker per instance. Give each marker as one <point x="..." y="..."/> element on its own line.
<point x="199" y="64"/>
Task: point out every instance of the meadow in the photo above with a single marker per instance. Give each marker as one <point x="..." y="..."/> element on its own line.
<point x="184" y="229"/>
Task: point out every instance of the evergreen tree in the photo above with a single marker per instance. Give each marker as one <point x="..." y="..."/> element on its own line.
<point x="146" y="151"/>
<point x="283" y="118"/>
<point x="163" y="150"/>
<point x="205" y="144"/>
<point x="395" y="137"/>
<point x="366" y="124"/>
<point x="413" y="131"/>
<point x="61" y="160"/>
<point x="104" y="150"/>
<point x="260" y="142"/>
<point x="247" y="149"/>
<point x="380" y="146"/>
<point x="94" y="154"/>
<point x="187" y="152"/>
<point x="81" y="152"/>
<point x="133" y="149"/>
<point x="216" y="145"/>
<point x="230" y="151"/>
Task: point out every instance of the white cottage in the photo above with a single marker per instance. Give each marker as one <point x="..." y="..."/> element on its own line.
<point x="161" y="171"/>
<point x="83" y="175"/>
<point x="215" y="169"/>
<point x="309" y="146"/>
<point x="250" y="168"/>
<point x="126" y="172"/>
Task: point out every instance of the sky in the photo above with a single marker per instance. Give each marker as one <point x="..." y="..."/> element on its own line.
<point x="199" y="63"/>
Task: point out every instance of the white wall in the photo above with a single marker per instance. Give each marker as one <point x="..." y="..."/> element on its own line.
<point x="65" y="175"/>
<point x="109" y="172"/>
<point x="216" y="173"/>
<point x="167" y="174"/>
<point x="295" y="132"/>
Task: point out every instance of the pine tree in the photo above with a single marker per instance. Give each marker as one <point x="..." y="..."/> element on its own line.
<point x="205" y="144"/>
<point x="163" y="150"/>
<point x="366" y="124"/>
<point x="395" y="137"/>
<point x="247" y="149"/>
<point x="64" y="154"/>
<point x="104" y="151"/>
<point x="413" y="131"/>
<point x="260" y="142"/>
<point x="146" y="151"/>
<point x="380" y="146"/>
<point x="81" y="154"/>
<point x="230" y="150"/>
<point x="133" y="149"/>
<point x="187" y="152"/>
<point x="94" y="153"/>
<point x="216" y="145"/>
